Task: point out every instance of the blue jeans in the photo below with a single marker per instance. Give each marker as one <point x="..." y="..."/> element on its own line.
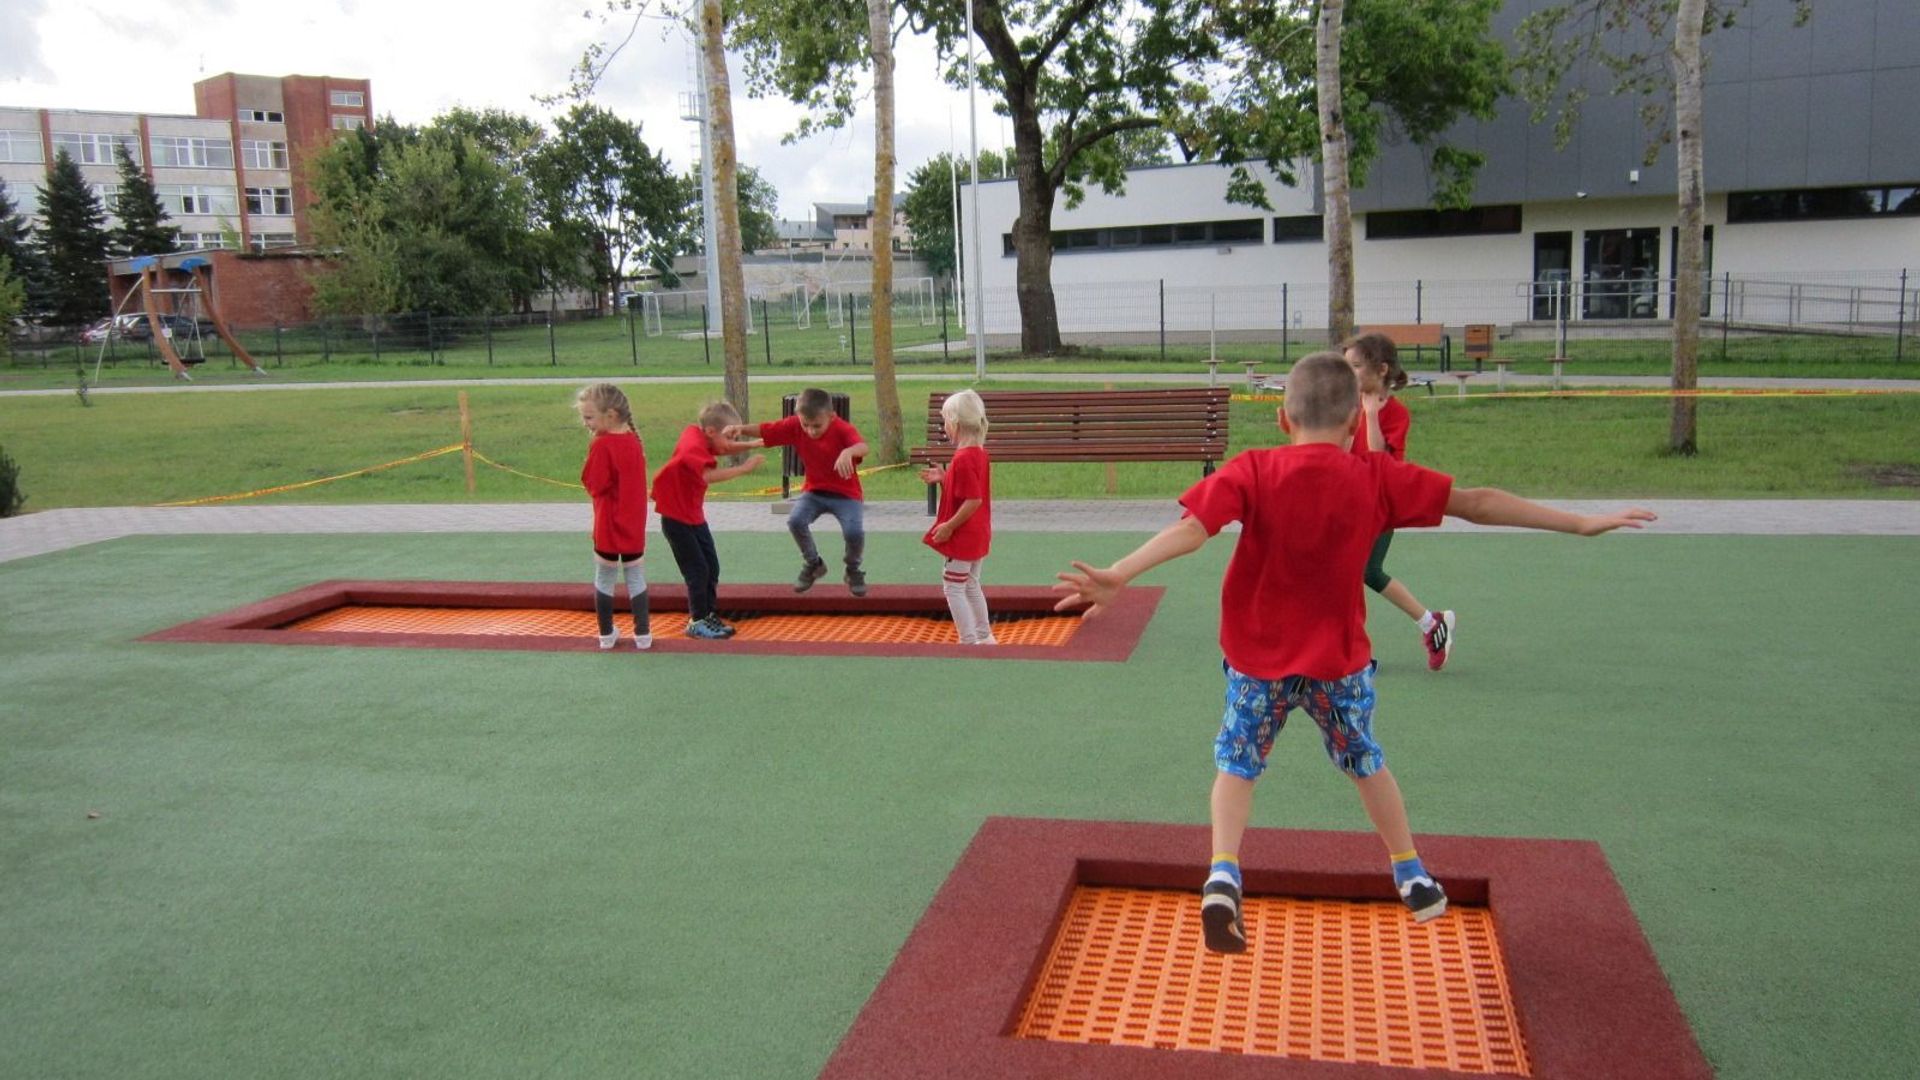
<point x="849" y="512"/>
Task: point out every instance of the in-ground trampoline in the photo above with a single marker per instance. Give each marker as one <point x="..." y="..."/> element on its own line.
<point x="891" y="620"/>
<point x="1073" y="948"/>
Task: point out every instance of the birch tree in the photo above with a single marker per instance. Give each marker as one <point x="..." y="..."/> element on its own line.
<point x="1337" y="213"/>
<point x="726" y="205"/>
<point x="886" y="391"/>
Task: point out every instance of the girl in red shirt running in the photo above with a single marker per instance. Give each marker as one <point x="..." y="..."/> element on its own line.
<point x="963" y="529"/>
<point x="616" y="476"/>
<point x="1384" y="424"/>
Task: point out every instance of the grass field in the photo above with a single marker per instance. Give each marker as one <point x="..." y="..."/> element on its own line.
<point x="139" y="449"/>
<point x="367" y="863"/>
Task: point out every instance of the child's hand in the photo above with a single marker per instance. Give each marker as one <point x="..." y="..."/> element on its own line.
<point x="755" y="462"/>
<point x="933" y="474"/>
<point x="1096" y="588"/>
<point x="844" y="464"/>
<point x="1375" y="401"/>
<point x="737" y="431"/>
<point x="942" y="532"/>
<point x="1595" y="524"/>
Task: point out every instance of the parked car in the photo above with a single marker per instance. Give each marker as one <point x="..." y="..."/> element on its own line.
<point x="179" y="325"/>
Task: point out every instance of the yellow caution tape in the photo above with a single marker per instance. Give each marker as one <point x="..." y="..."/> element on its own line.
<point x="455" y="448"/>
<point x="478" y="456"/>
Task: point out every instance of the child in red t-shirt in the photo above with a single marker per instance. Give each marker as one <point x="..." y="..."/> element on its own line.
<point x="1293" y="612"/>
<point x="680" y="495"/>
<point x="616" y="476"/>
<point x="830" y="449"/>
<point x="963" y="529"/>
<point x="1384" y="423"/>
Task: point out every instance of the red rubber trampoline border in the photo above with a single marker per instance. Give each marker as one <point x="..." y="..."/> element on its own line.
<point x="1585" y="984"/>
<point x="1109" y="637"/>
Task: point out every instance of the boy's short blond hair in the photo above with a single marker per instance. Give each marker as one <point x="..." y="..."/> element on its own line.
<point x="966" y="412"/>
<point x="1322" y="392"/>
<point x="719" y="414"/>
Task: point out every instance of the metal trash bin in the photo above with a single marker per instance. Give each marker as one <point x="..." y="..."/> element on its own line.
<point x="790" y="455"/>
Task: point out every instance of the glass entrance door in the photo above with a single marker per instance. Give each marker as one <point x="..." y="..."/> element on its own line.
<point x="1552" y="268"/>
<point x="1622" y="274"/>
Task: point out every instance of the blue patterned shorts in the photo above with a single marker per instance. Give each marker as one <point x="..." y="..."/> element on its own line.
<point x="1257" y="710"/>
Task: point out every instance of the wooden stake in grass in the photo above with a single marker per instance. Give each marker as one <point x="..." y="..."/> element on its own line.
<point x="466" y="439"/>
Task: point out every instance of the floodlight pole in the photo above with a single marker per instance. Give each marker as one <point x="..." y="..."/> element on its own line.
<point x="953" y="191"/>
<point x="973" y="251"/>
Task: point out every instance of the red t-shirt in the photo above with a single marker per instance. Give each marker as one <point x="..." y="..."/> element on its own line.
<point x="1294" y="602"/>
<point x="616" y="476"/>
<point x="1395" y="422"/>
<point x="680" y="487"/>
<point x="818" y="455"/>
<point x="970" y="476"/>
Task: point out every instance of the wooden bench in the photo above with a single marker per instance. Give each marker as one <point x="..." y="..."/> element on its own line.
<point x="1174" y="424"/>
<point x="1416" y="336"/>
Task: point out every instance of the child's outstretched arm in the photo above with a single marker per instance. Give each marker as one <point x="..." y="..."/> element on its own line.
<point x="725" y="446"/>
<point x="722" y="473"/>
<point x="1098" y="587"/>
<point x="1492" y="506"/>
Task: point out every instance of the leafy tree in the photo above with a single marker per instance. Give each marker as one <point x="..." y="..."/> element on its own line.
<point x="73" y="240"/>
<point x="13" y="301"/>
<point x="929" y="206"/>
<point x="1652" y="49"/>
<point x="18" y="248"/>
<point x="598" y="185"/>
<point x="142" y="227"/>
<point x="759" y="212"/>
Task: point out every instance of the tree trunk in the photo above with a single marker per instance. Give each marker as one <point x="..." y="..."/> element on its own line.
<point x="726" y="206"/>
<point x="1690" y="157"/>
<point x="1337" y="210"/>
<point x="1032" y="236"/>
<point x="886" y="392"/>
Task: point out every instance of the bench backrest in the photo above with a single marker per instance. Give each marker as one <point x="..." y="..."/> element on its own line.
<point x="1175" y="424"/>
<point x="1404" y="334"/>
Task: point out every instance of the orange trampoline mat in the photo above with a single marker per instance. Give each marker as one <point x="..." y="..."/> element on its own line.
<point x="852" y="627"/>
<point x="1324" y="980"/>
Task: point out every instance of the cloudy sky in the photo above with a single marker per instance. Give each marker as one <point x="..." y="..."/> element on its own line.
<point x="425" y="56"/>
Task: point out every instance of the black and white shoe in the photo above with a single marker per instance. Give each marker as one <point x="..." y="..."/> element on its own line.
<point x="1220" y="915"/>
<point x="1424" y="897"/>
<point x="857" y="582"/>
<point x="810" y="573"/>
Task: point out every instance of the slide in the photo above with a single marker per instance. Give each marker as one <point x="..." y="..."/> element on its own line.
<point x="162" y="340"/>
<point x="202" y="271"/>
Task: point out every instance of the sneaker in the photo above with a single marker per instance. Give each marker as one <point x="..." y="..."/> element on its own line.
<point x="857" y="582"/>
<point x="705" y="630"/>
<point x="1424" y="897"/>
<point x="1439" y="640"/>
<point x="809" y="574"/>
<point x="608" y="641"/>
<point x="715" y="622"/>
<point x="1220" y="915"/>
<point x="643" y="642"/>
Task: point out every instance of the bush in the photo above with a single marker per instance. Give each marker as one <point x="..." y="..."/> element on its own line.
<point x="11" y="497"/>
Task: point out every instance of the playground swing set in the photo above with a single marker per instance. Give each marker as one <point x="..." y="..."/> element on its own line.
<point x="196" y="301"/>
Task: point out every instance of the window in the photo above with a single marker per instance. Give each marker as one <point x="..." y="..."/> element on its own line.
<point x="1299" y="229"/>
<point x="108" y="193"/>
<point x="262" y="116"/>
<point x="351" y="99"/>
<point x="94" y="148"/>
<point x="1129" y="237"/>
<point x="348" y="123"/>
<point x="1246" y="231"/>
<point x="1424" y="224"/>
<point x="270" y="202"/>
<point x="194" y="241"/>
<point x="1818" y="204"/>
<point x="23" y="146"/>
<point x="260" y="154"/>
<point x="263" y="241"/>
<point x="192" y="152"/>
<point x="181" y="199"/>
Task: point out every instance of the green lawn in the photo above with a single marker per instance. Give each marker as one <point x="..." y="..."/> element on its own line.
<point x="139" y="449"/>
<point x="368" y="863"/>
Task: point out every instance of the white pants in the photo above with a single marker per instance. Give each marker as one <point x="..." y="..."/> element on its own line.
<point x="960" y="581"/>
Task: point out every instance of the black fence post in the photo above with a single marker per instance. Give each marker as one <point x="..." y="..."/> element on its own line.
<point x="1900" y="328"/>
<point x="553" y="350"/>
<point x="1419" y="289"/>
<point x="376" y="342"/>
<point x="942" y="295"/>
<point x="489" y="326"/>
<point x="1163" y="320"/>
<point x="633" y="339"/>
<point x="706" y="336"/>
<point x="1286" y="323"/>
<point x="853" y="330"/>
<point x="1726" y="311"/>
<point x="433" y="356"/>
<point x="766" y="330"/>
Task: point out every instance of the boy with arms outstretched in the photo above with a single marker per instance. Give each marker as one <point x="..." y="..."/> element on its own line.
<point x="830" y="450"/>
<point x="1293" y="610"/>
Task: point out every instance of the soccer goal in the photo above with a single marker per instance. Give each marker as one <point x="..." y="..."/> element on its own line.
<point x="649" y="304"/>
<point x="914" y="298"/>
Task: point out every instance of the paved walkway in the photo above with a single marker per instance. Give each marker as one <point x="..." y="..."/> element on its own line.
<point x="57" y="530"/>
<point x="1480" y="384"/>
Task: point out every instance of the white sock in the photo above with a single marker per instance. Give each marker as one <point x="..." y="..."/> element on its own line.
<point x="1426" y="621"/>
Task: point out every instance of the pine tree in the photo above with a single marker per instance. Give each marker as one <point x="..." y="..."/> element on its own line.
<point x="73" y="236"/>
<point x="18" y="250"/>
<point x="143" y="228"/>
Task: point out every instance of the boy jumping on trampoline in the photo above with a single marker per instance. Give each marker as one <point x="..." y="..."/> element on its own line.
<point x="680" y="496"/>
<point x="963" y="530"/>
<point x="1293" y="613"/>
<point x="1384" y="424"/>
<point x="615" y="475"/>
<point x="830" y="449"/>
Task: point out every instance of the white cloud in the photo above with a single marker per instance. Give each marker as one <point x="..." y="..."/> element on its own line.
<point x="425" y="56"/>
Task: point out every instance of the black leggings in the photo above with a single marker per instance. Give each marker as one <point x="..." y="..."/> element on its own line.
<point x="699" y="564"/>
<point x="1377" y="578"/>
